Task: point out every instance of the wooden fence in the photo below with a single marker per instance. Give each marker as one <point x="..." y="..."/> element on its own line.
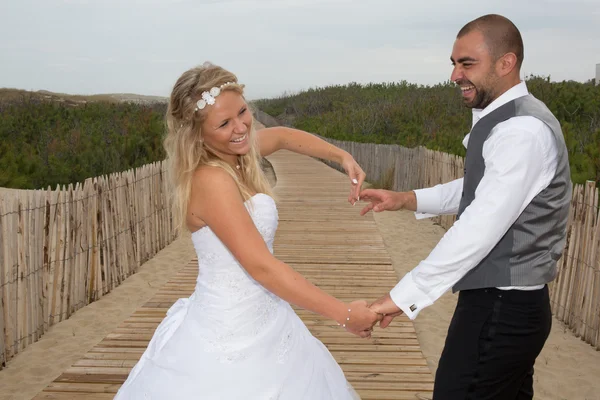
<point x="65" y="248"/>
<point x="575" y="294"/>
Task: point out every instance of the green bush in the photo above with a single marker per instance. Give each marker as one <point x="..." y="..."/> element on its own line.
<point x="48" y="143"/>
<point x="433" y="116"/>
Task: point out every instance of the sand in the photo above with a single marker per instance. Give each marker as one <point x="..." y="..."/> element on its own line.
<point x="42" y="362"/>
<point x="567" y="368"/>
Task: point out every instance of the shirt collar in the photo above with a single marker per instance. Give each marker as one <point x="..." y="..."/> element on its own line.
<point x="514" y="92"/>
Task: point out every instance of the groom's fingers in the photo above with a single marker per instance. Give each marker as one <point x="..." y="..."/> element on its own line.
<point x="367" y="194"/>
<point x="377" y="194"/>
<point x="381" y="206"/>
<point x="366" y="209"/>
<point x="385" y="321"/>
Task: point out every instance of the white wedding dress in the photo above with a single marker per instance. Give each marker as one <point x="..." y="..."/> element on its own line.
<point x="233" y="339"/>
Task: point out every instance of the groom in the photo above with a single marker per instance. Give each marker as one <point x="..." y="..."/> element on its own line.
<point x="512" y="207"/>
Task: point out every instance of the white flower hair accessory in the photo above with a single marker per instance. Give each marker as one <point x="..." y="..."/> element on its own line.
<point x="208" y="98"/>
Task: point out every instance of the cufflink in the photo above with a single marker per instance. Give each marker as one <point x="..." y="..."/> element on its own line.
<point x="413" y="308"/>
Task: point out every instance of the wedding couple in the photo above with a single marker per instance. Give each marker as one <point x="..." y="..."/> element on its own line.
<point x="237" y="337"/>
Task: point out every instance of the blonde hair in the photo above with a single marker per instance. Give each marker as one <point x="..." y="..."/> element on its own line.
<point x="186" y="150"/>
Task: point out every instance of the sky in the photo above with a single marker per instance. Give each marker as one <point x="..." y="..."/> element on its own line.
<point x="273" y="46"/>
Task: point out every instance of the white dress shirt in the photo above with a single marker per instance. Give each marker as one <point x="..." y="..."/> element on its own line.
<point x="520" y="161"/>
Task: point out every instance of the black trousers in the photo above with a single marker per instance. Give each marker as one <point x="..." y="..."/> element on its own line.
<point x="493" y="340"/>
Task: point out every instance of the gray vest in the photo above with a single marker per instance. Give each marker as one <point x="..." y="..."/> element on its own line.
<point x="527" y="254"/>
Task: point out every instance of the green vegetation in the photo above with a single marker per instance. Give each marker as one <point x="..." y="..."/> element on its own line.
<point x="45" y="143"/>
<point x="433" y="116"/>
<point x="47" y="139"/>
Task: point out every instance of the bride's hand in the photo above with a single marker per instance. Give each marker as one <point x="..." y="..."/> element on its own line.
<point x="360" y="319"/>
<point x="356" y="175"/>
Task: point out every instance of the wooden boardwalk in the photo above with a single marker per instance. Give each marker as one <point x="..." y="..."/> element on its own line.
<point x="322" y="236"/>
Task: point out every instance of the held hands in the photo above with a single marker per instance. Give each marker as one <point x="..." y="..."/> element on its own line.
<point x="356" y="175"/>
<point x="360" y="319"/>
<point x="387" y="308"/>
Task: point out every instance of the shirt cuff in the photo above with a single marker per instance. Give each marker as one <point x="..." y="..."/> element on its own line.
<point x="409" y="298"/>
<point x="429" y="200"/>
<point x="419" y="215"/>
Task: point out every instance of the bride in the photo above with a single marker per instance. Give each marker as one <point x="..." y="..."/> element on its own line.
<point x="236" y="336"/>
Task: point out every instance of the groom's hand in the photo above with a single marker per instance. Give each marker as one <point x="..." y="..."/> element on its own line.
<point x="387" y="308"/>
<point x="387" y="200"/>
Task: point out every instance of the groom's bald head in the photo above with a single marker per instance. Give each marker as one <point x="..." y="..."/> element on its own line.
<point x="500" y="34"/>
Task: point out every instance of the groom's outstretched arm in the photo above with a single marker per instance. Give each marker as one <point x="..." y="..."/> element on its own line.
<point x="512" y="178"/>
<point x="439" y="199"/>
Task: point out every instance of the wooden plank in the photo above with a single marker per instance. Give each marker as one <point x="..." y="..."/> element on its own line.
<point x="82" y="387"/>
<point x="105" y="363"/>
<point x="69" y="396"/>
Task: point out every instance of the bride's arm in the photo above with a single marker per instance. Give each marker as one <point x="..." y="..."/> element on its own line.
<point x="272" y="139"/>
<point x="215" y="199"/>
